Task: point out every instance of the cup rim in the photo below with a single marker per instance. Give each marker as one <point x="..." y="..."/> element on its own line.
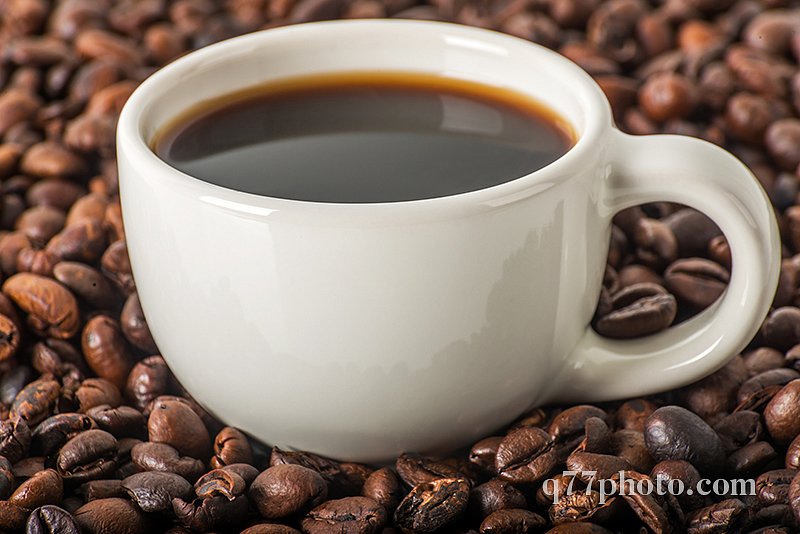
<point x="593" y="104"/>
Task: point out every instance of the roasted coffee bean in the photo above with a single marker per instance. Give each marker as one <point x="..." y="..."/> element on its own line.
<point x="794" y="496"/>
<point x="717" y="392"/>
<point x="112" y="515"/>
<point x="87" y="456"/>
<point x="632" y="414"/>
<point x="106" y="349"/>
<point x="15" y="438"/>
<point x="359" y="515"/>
<point x="782" y="414"/>
<point x="656" y="245"/>
<point x="512" y="521"/>
<point x="40" y="223"/>
<point x="206" y="515"/>
<point x="762" y="359"/>
<point x="231" y="447"/>
<point x="675" y="433"/>
<point x="51" y="519"/>
<point x="793" y="454"/>
<point x="572" y="421"/>
<point x="667" y="96"/>
<point x="101" y="489"/>
<point x="52" y="160"/>
<point x="116" y="265"/>
<point x="525" y="456"/>
<point x="483" y="453"/>
<point x="134" y="325"/>
<point x="176" y="424"/>
<point x="148" y="380"/>
<point x="492" y="496"/>
<point x="696" y="281"/>
<point x="578" y="528"/>
<point x="284" y="490"/>
<point x="270" y="528"/>
<point x="44" y="487"/>
<point x="630" y="446"/>
<point x="782" y="139"/>
<point x="97" y="392"/>
<point x="53" y="432"/>
<point x="602" y="465"/>
<point x="751" y="458"/>
<point x="687" y="474"/>
<point x="764" y="385"/>
<point x="415" y="469"/>
<point x="83" y="241"/>
<point x="645" y="505"/>
<point x="121" y="422"/>
<point x="36" y="401"/>
<point x="164" y="458"/>
<point x="726" y="516"/>
<point x="772" y="487"/>
<point x="639" y="310"/>
<point x="7" y="477"/>
<point x="220" y="482"/>
<point x="246" y="471"/>
<point x="597" y="437"/>
<point x="431" y="505"/>
<point x="383" y="486"/>
<point x="51" y="308"/>
<point x="739" y="429"/>
<point x="153" y="491"/>
<point x="341" y="480"/>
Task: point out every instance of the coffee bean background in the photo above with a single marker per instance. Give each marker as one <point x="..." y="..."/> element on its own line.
<point x="97" y="436"/>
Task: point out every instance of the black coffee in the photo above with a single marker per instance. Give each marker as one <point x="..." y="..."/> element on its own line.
<point x="365" y="137"/>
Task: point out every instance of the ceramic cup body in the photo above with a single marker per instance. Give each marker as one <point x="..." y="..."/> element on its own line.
<point x="361" y="331"/>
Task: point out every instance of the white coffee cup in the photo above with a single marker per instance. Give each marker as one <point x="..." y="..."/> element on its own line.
<point x="360" y="331"/>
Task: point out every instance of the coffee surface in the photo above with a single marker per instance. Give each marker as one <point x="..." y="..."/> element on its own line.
<point x="364" y="137"/>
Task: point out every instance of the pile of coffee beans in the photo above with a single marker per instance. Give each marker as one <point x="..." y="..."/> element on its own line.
<point x="97" y="436"/>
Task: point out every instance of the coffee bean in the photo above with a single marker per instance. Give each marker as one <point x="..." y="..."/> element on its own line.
<point x="153" y="491"/>
<point x="106" y="349"/>
<point x="359" y="515"/>
<point x="415" y="469"/>
<point x="44" y="487"/>
<point x="51" y="519"/>
<point x="15" y="438"/>
<point x="51" y="434"/>
<point x="696" y="281"/>
<point x="51" y="308"/>
<point x="116" y="265"/>
<point x="223" y="482"/>
<point x="726" y="516"/>
<point x="632" y="414"/>
<point x="231" y="447"/>
<point x="36" y="401"/>
<point x="91" y="206"/>
<point x="793" y="454"/>
<point x="602" y="465"/>
<point x="101" y="489"/>
<point x="175" y="424"/>
<point x="270" y="528"/>
<point x="752" y="458"/>
<point x="284" y="490"/>
<point x="89" y="455"/>
<point x="112" y="515"/>
<point x="97" y="392"/>
<point x="667" y="96"/>
<point x="782" y="139"/>
<point x="492" y="496"/>
<point x="781" y="330"/>
<point x="715" y="393"/>
<point x="121" y="422"/>
<point x="782" y="414"/>
<point x="639" y="310"/>
<point x="630" y="446"/>
<point x="645" y="505"/>
<point x="147" y="381"/>
<point x="512" y="521"/>
<point x="772" y="487"/>
<point x="341" y="481"/>
<point x="164" y="458"/>
<point x="134" y="325"/>
<point x="683" y="471"/>
<point x="383" y="487"/>
<point x="431" y="505"/>
<point x="206" y="515"/>
<point x="675" y="433"/>
<point x="762" y="359"/>
<point x="794" y="496"/>
<point x="40" y="223"/>
<point x="525" y="456"/>
<point x="578" y="528"/>
<point x="739" y="429"/>
<point x="597" y="437"/>
<point x="762" y="387"/>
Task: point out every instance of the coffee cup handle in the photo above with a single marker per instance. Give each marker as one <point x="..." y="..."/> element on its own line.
<point x="705" y="177"/>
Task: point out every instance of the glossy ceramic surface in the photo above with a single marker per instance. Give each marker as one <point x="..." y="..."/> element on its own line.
<point x="361" y="331"/>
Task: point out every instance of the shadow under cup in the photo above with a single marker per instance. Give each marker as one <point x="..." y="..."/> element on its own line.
<point x="360" y="331"/>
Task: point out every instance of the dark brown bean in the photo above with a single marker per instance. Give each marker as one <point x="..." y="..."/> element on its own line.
<point x="106" y="349"/>
<point x="231" y="447"/>
<point x="431" y="505"/>
<point x="782" y="414"/>
<point x="36" y="401"/>
<point x="49" y="435"/>
<point x="148" y="380"/>
<point x="176" y="424"/>
<point x="134" y="325"/>
<point x="86" y="283"/>
<point x="696" y="281"/>
<point x="359" y="515"/>
<point x="87" y="456"/>
<point x="525" y="456"/>
<point x="284" y="490"/>
<point x="415" y="469"/>
<point x="164" y="458"/>
<point x="726" y="516"/>
<point x="675" y="433"/>
<point x="51" y="308"/>
<point x="206" y="515"/>
<point x="50" y="519"/>
<point x="153" y="491"/>
<point x="116" y="515"/>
